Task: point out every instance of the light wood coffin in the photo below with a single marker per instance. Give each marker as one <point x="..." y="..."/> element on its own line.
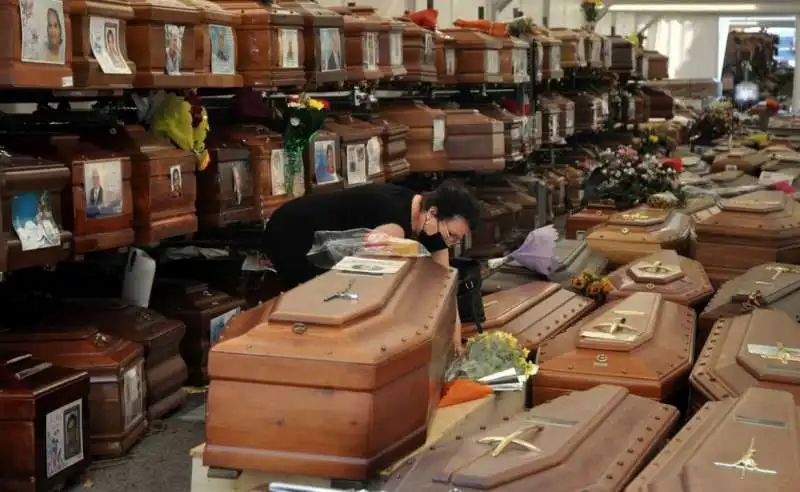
<point x="589" y="440"/>
<point x="675" y="277"/>
<point x="316" y="383"/>
<point x="586" y="218"/>
<point x="743" y="232"/>
<point x="757" y="349"/>
<point x="533" y="312"/>
<point x="737" y="445"/>
<point x="628" y="236"/>
<point x="746" y="160"/>
<point x="643" y="342"/>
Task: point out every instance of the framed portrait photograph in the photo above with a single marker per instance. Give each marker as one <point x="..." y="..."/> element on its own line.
<point x="374" y="156"/>
<point x="238" y="170"/>
<point x="450" y="61"/>
<point x="356" y="164"/>
<point x="429" y="52"/>
<point x="103" y="188"/>
<point x="43" y="32"/>
<point x="64" y="437"/>
<point x="104" y="39"/>
<point x="438" y="134"/>
<point x="173" y="45"/>
<point x="175" y="181"/>
<point x="288" y="41"/>
<point x="223" y="52"/>
<point x="325" y="162"/>
<point x="278" y="171"/>
<point x="33" y="220"/>
<point x="369" y="48"/>
<point x="396" y="48"/>
<point x="330" y="49"/>
<point x="132" y="394"/>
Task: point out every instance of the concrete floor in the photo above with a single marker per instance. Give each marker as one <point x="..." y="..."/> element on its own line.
<point x="159" y="462"/>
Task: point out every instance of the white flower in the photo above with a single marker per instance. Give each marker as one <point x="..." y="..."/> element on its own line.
<point x="294" y="121"/>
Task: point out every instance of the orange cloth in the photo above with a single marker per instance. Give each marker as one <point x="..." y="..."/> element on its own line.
<point x="425" y="18"/>
<point x="497" y="29"/>
<point x="463" y="390"/>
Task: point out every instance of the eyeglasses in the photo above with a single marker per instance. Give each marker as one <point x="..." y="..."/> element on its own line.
<point x="449" y="237"/>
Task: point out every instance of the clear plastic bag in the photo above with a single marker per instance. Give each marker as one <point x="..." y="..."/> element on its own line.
<point x="330" y="247"/>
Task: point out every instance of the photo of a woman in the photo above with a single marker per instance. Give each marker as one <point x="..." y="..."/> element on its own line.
<point x="55" y="37"/>
<point x="43" y="36"/>
<point x="330" y="158"/>
<point x="325" y="162"/>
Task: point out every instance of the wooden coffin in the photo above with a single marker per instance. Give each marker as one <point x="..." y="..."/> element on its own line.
<point x="496" y="223"/>
<point x="553" y="447"/>
<point x="642" y="342"/>
<point x="532" y="312"/>
<point x="595" y="50"/>
<point x="268" y="160"/>
<point x="351" y="368"/>
<point x="697" y="205"/>
<point x="588" y="112"/>
<point x="394" y="148"/>
<point x="551" y="116"/>
<point x="743" y="159"/>
<point x="227" y="189"/>
<point x="737" y="445"/>
<point x="695" y="164"/>
<point x="477" y="56"/>
<point x="270" y="47"/>
<point x="33" y="233"/>
<point x="551" y="55"/>
<point x="323" y="41"/>
<point x="740" y="233"/>
<point x="323" y="163"/>
<point x="629" y="236"/>
<point x="204" y="312"/>
<point x="164" y="369"/>
<point x="355" y="136"/>
<point x="512" y="130"/>
<point x="655" y="65"/>
<point x="505" y="191"/>
<point x="117" y="392"/>
<point x="623" y="55"/>
<point x="520" y="61"/>
<point x="30" y="57"/>
<point x="215" y="44"/>
<point x="566" y="117"/>
<point x="99" y="44"/>
<point x="573" y="47"/>
<point x="641" y="108"/>
<point x="98" y="207"/>
<point x="733" y="182"/>
<point x="162" y="43"/>
<point x="676" y="278"/>
<point x="426" y="136"/>
<point x="583" y="220"/>
<point x="390" y="41"/>
<point x="659" y="103"/>
<point x="536" y="125"/>
<point x="163" y="182"/>
<point x="474" y="142"/>
<point x="446" y="60"/>
<point x="419" y="53"/>
<point x="45" y="426"/>
<point x="757" y="349"/>
<point x="362" y="45"/>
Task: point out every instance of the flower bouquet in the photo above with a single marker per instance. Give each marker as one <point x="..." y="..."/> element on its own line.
<point x="591" y="11"/>
<point x="493" y="358"/>
<point x="627" y="178"/>
<point x="303" y="118"/>
<point x="590" y="284"/>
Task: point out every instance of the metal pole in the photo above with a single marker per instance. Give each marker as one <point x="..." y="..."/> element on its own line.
<point x="796" y="84"/>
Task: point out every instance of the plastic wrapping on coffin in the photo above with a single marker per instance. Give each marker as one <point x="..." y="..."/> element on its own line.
<point x="745" y="232"/>
<point x="362" y="37"/>
<point x="117" y="392"/>
<point x="324" y="43"/>
<point x="154" y="23"/>
<point x="349" y="360"/>
<point x="474" y="142"/>
<point x="426" y="137"/>
<point x="642" y="342"/>
<point x="227" y="188"/>
<point x="533" y="312"/>
<point x="628" y="236"/>
<point x="44" y="410"/>
<point x="676" y="278"/>
<point x="738" y="445"/>
<point x="86" y="71"/>
<point x="748" y="161"/>
<point x="390" y="39"/>
<point x="757" y="349"/>
<point x="355" y="136"/>
<point x="419" y="53"/>
<point x="588" y="440"/>
<point x="270" y="44"/>
<point x="43" y="182"/>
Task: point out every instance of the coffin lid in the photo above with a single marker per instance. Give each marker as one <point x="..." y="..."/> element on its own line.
<point x="13" y="159"/>
<point x="726" y="176"/>
<point x="641" y="217"/>
<point x="120" y="317"/>
<point x="767" y="283"/>
<point x="788" y="157"/>
<point x="622" y="326"/>
<point x="661" y="268"/>
<point x="543" y="438"/>
<point x="474" y="38"/>
<point x="691" y="160"/>
<point x="23" y="374"/>
<point x="306" y="303"/>
<point x="770" y="348"/>
<point x="740" y="152"/>
<point x="742" y="445"/>
<point x="567" y="250"/>
<point x="525" y="297"/>
<point x="760" y="202"/>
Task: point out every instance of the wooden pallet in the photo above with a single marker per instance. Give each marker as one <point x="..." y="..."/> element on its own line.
<point x="447" y="424"/>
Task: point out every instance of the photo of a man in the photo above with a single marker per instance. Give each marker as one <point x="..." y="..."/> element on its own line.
<point x="222" y="52"/>
<point x="72" y="432"/>
<point x="237" y="185"/>
<point x="222" y="46"/>
<point x="330" y="49"/>
<point x="96" y="191"/>
<point x="175" y="181"/>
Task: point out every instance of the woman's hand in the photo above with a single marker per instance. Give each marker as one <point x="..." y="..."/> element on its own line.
<point x="459" y="347"/>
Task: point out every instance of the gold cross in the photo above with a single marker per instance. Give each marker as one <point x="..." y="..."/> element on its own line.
<point x="635" y="216"/>
<point x="656" y="267"/>
<point x="747" y="463"/>
<point x="780" y="270"/>
<point x="782" y="354"/>
<point x="501" y="443"/>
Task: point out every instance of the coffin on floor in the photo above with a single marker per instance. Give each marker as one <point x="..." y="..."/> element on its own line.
<point x="325" y="385"/>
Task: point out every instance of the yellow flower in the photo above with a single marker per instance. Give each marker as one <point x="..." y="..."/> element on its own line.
<point x="652" y="139"/>
<point x="607" y="285"/>
<point x="578" y="283"/>
<point x="314" y="104"/>
<point x="595" y="289"/>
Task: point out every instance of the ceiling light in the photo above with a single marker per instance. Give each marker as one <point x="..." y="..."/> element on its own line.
<point x="687" y="7"/>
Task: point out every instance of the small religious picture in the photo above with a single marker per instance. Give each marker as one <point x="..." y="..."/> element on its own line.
<point x="396" y="48"/>
<point x="325" y="162"/>
<point x="175" y="181"/>
<point x="374" y="156"/>
<point x="43" y="36"/>
<point x="103" y="188"/>
<point x="132" y="394"/>
<point x="33" y="221"/>
<point x="222" y="50"/>
<point x="429" y="51"/>
<point x="450" y="61"/>
<point x="219" y="323"/>
<point x="173" y="44"/>
<point x="369" y="50"/>
<point x="104" y="36"/>
<point x="330" y="48"/>
<point x="237" y="169"/>
<point x="278" y="171"/>
<point x="289" y="46"/>
<point x="64" y="437"/>
<point x="356" y="164"/>
<point x="438" y="134"/>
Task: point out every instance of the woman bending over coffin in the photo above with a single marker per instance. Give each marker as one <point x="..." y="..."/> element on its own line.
<point x="437" y="219"/>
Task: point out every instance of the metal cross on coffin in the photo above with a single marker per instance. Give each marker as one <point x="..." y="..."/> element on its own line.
<point x="656" y="267"/>
<point x="611" y="331"/>
<point x="780" y="270"/>
<point x="344" y="294"/>
<point x="501" y="443"/>
<point x="782" y="354"/>
<point x="747" y="463"/>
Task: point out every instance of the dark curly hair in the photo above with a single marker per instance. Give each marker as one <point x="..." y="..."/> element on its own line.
<point x="453" y="199"/>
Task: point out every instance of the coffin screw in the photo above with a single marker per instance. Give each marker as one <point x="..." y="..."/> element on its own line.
<point x="299" y="328"/>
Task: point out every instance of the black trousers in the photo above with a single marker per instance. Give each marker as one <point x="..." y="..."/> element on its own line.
<point x="287" y="254"/>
